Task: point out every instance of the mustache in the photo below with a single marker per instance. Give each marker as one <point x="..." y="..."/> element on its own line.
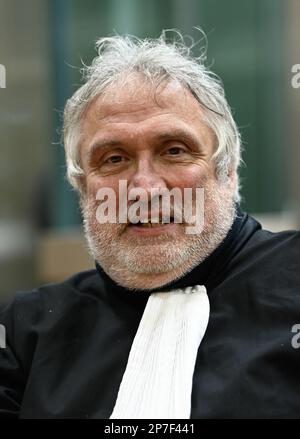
<point x="159" y="208"/>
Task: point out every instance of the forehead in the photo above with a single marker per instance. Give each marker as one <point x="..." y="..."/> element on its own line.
<point x="136" y="100"/>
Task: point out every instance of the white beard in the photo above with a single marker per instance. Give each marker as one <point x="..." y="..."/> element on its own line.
<point x="149" y="262"/>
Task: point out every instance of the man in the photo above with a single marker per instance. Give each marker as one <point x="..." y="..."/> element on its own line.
<point x="170" y="324"/>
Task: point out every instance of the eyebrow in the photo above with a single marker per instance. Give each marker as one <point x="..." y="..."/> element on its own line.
<point x="101" y="144"/>
<point x="177" y="133"/>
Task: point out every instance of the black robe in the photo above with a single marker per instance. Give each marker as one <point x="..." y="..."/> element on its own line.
<point x="68" y="343"/>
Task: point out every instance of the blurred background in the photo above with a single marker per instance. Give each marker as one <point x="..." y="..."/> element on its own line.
<point x="252" y="46"/>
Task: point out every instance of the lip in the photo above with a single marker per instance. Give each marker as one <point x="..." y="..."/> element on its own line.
<point x="151" y="231"/>
<point x="155" y="216"/>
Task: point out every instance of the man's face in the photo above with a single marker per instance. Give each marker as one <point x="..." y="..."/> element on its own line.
<point x="152" y="138"/>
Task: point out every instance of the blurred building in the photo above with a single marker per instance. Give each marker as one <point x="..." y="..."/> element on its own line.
<point x="252" y="46"/>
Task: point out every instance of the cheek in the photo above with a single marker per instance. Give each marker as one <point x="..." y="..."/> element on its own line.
<point x="192" y="179"/>
<point x="95" y="183"/>
<point x="107" y="185"/>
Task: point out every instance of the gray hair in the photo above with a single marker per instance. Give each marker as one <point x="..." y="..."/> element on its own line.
<point x="157" y="60"/>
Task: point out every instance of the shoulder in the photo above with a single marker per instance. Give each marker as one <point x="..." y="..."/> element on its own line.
<point x="277" y="244"/>
<point x="31" y="307"/>
<point x="46" y="310"/>
<point x="264" y="254"/>
<point x="271" y="258"/>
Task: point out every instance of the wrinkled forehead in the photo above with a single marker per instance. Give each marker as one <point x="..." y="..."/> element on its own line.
<point x="135" y="94"/>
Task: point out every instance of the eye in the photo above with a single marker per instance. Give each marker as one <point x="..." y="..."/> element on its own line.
<point x="116" y="158"/>
<point x="175" y="150"/>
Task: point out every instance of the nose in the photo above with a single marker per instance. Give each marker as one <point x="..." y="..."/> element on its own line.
<point x="146" y="176"/>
